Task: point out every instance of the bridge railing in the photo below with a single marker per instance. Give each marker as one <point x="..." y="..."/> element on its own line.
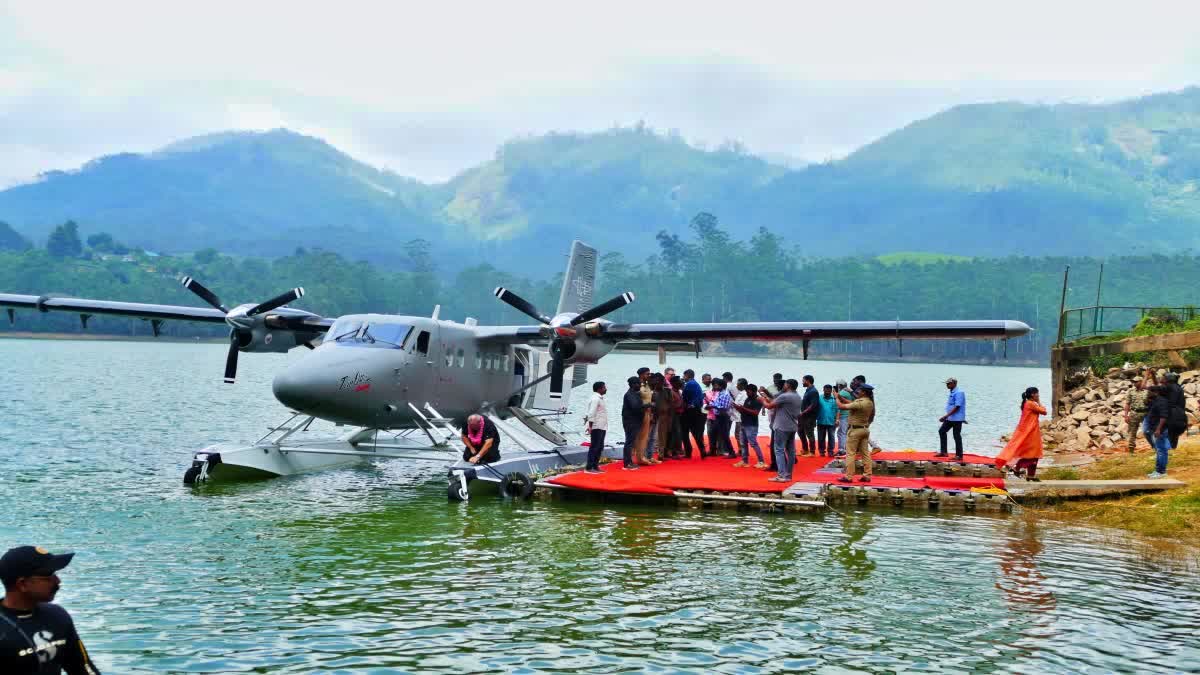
<point x="1083" y="322"/>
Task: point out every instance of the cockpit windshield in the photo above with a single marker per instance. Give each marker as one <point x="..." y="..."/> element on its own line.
<point x="348" y="332"/>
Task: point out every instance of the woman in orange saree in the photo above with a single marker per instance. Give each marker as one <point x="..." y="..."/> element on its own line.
<point x="1026" y="444"/>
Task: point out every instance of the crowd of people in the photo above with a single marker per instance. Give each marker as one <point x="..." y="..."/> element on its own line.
<point x="1156" y="407"/>
<point x="668" y="416"/>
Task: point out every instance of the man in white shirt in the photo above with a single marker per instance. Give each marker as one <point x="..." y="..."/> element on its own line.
<point x="596" y="423"/>
<point x="739" y="398"/>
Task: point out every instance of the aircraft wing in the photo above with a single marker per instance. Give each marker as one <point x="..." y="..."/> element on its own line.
<point x="288" y="318"/>
<point x="815" y="330"/>
<point x="513" y="335"/>
<point x="631" y="334"/>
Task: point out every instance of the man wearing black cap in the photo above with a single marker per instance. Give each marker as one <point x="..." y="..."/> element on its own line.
<point x="37" y="636"/>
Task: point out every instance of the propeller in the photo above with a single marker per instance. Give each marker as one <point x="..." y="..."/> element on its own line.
<point x="562" y="334"/>
<point x="205" y="294"/>
<point x="277" y="301"/>
<point x="604" y="308"/>
<point x="231" y="359"/>
<point x="520" y="304"/>
<point x="239" y="335"/>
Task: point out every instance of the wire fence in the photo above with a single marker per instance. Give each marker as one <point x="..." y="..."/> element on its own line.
<point x="1084" y="322"/>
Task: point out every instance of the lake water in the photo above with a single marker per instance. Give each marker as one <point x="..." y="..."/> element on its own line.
<point x="369" y="569"/>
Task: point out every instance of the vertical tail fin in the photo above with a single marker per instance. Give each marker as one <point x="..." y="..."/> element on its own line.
<point x="580" y="279"/>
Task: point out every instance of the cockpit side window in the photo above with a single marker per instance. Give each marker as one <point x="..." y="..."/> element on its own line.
<point x="343" y="329"/>
<point x="423" y="342"/>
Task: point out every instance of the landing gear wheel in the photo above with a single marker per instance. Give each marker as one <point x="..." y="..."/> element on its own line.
<point x="516" y="485"/>
<point x="455" y="491"/>
<point x="190" y="476"/>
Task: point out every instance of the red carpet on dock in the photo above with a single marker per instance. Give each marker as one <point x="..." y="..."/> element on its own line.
<point x="718" y="474"/>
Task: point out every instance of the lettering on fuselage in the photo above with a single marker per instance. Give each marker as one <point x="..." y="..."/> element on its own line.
<point x="357" y="382"/>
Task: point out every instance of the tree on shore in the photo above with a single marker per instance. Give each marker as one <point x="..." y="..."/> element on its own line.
<point x="64" y="241"/>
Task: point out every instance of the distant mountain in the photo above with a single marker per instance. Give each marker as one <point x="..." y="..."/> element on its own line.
<point x="615" y="189"/>
<point x="244" y="193"/>
<point x="10" y="239"/>
<point x="988" y="179"/>
<point x="1014" y="178"/>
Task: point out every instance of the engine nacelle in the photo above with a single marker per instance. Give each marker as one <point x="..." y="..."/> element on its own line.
<point x="589" y="350"/>
<point x="268" y="334"/>
<point x="262" y="339"/>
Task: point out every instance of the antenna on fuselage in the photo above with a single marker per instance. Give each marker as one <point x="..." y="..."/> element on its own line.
<point x="437" y="309"/>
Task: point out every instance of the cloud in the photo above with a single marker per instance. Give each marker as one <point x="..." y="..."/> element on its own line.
<point x="430" y="90"/>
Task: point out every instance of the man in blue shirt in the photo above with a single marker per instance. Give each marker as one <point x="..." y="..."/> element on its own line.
<point x="956" y="414"/>
<point x="693" y="413"/>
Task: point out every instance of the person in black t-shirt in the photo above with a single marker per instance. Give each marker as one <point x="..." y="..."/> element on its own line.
<point x="750" y="409"/>
<point x="37" y="636"/>
<point x="481" y="440"/>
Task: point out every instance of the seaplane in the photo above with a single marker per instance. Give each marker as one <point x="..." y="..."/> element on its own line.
<point x="404" y="385"/>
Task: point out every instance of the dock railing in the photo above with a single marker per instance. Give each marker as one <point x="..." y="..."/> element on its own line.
<point x="1083" y="322"/>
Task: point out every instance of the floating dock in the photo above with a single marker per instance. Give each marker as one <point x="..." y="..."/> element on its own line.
<point x="905" y="479"/>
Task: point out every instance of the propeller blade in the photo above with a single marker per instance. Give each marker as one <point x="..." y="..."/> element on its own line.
<point x="604" y="308"/>
<point x="520" y="304"/>
<point x="277" y="301"/>
<point x="231" y="362"/>
<point x="205" y="294"/>
<point x="556" y="378"/>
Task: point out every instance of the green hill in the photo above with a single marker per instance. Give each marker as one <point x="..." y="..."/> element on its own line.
<point x="246" y="193"/>
<point x="987" y="179"/>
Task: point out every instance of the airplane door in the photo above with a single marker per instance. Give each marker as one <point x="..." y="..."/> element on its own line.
<point x="421" y="374"/>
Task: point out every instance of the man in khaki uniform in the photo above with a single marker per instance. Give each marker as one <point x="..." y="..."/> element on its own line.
<point x="1135" y="410"/>
<point x="862" y="411"/>
<point x="648" y="441"/>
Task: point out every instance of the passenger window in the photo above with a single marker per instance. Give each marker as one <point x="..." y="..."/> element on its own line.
<point x="423" y="342"/>
<point x="478" y="360"/>
<point x="506" y="362"/>
<point x="462" y="358"/>
<point x="449" y="357"/>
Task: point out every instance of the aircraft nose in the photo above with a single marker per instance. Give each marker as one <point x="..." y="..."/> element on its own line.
<point x="295" y="390"/>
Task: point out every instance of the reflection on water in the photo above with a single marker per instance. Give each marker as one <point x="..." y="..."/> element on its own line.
<point x="370" y="569"/>
<point x="855" y="526"/>
<point x="1022" y="583"/>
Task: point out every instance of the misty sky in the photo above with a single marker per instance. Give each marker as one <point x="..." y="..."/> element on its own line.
<point x="429" y="89"/>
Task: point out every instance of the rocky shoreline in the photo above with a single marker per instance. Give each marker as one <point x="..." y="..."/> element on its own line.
<point x="1091" y="415"/>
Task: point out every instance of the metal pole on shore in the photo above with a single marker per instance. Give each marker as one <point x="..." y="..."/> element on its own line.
<point x="1062" y="305"/>
<point x="1096" y="312"/>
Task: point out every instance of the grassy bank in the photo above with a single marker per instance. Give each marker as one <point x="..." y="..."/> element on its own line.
<point x="1172" y="514"/>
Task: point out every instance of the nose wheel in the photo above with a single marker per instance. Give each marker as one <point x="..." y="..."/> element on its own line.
<point x="456" y="488"/>
<point x="198" y="472"/>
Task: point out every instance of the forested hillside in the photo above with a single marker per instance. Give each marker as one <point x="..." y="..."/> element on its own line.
<point x="705" y="275"/>
<point x="988" y="179"/>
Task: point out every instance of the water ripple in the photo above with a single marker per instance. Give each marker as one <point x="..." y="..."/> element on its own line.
<point x="368" y="569"/>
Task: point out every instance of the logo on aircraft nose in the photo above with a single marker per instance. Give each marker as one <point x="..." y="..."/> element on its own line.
<point x="356" y="382"/>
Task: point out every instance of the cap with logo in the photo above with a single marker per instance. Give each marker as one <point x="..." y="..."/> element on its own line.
<point x="31" y="561"/>
<point x="866" y="386"/>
